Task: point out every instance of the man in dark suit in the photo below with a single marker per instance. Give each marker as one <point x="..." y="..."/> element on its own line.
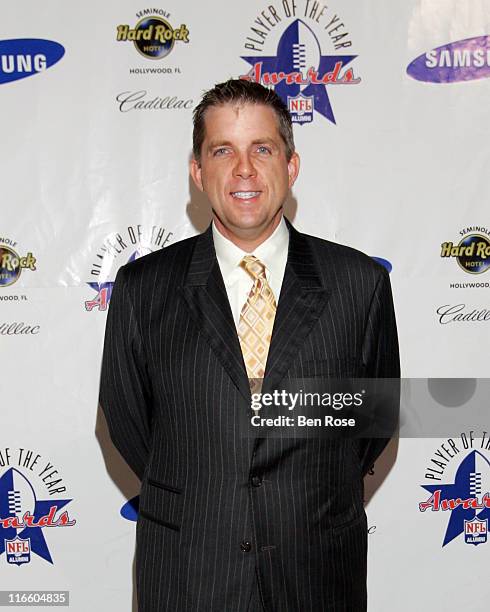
<point x="229" y="523"/>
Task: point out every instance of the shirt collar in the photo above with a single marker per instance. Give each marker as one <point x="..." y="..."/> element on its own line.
<point x="229" y="255"/>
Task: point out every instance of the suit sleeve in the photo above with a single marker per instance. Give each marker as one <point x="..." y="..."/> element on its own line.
<point x="381" y="359"/>
<point x="125" y="392"/>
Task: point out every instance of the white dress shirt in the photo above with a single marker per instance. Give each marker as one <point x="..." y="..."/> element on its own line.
<point x="273" y="253"/>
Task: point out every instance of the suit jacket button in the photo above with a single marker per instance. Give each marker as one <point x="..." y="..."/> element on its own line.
<point x="256" y="481"/>
<point x="245" y="546"/>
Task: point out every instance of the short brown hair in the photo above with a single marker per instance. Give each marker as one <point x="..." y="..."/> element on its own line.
<point x="241" y="91"/>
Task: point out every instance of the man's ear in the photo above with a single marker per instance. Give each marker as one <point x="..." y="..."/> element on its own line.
<point x="293" y="168"/>
<point x="196" y="173"/>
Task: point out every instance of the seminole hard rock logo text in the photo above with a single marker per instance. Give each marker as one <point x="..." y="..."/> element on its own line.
<point x="153" y="36"/>
<point x="12" y="264"/>
<point x="472" y="252"/>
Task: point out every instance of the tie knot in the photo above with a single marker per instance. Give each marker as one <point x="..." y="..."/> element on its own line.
<point x="253" y="266"/>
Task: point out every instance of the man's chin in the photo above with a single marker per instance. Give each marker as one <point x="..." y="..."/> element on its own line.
<point x="250" y="227"/>
<point x="247" y="226"/>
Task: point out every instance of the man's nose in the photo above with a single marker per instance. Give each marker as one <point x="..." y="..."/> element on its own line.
<point x="244" y="167"/>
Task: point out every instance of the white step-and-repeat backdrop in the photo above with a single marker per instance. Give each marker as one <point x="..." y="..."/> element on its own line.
<point x="392" y="124"/>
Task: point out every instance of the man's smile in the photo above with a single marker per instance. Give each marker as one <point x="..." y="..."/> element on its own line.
<point x="245" y="195"/>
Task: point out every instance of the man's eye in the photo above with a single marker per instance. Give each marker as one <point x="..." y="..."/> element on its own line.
<point x="220" y="151"/>
<point x="263" y="149"/>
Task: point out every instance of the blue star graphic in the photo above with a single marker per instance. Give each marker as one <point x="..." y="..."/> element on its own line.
<point x="283" y="61"/>
<point x="139" y="253"/>
<point x="101" y="301"/>
<point x="461" y="488"/>
<point x="41" y="508"/>
<point x="99" y="286"/>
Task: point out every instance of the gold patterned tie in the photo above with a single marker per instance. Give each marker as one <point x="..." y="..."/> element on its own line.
<point x="256" y="322"/>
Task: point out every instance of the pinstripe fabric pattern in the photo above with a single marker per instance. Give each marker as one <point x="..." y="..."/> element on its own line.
<point x="173" y="386"/>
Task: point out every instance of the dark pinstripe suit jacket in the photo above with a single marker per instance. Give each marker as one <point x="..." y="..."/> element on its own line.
<point x="173" y="385"/>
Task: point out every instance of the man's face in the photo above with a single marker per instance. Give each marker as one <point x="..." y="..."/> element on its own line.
<point x="244" y="170"/>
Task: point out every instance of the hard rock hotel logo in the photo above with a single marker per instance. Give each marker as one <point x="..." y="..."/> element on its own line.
<point x="472" y="252"/>
<point x="153" y="36"/>
<point x="12" y="263"/>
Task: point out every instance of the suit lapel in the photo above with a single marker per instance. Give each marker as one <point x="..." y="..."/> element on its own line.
<point x="301" y="302"/>
<point x="207" y="300"/>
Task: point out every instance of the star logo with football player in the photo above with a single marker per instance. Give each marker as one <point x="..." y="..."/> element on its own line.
<point x="300" y="74"/>
<point x="23" y="517"/>
<point x="104" y="290"/>
<point x="466" y="500"/>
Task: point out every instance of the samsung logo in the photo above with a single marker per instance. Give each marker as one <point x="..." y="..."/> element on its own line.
<point x="23" y="57"/>
<point x="463" y="60"/>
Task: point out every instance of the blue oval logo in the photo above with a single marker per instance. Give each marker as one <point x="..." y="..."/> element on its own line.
<point x="23" y="57"/>
<point x="384" y="262"/>
<point x="130" y="509"/>
<point x="463" y="60"/>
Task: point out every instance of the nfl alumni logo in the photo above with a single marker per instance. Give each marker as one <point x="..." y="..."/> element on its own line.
<point x="301" y="108"/>
<point x="475" y="531"/>
<point x="18" y="550"/>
